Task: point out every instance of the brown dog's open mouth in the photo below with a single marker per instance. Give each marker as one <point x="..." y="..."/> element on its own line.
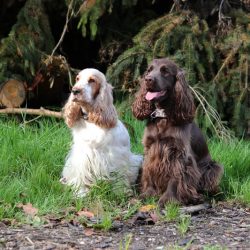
<point x="152" y="95"/>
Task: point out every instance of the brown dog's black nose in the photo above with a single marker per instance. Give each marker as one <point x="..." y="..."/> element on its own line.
<point x="76" y="91"/>
<point x="149" y="81"/>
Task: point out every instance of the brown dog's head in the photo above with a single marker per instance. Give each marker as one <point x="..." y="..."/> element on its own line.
<point x="160" y="79"/>
<point x="164" y="86"/>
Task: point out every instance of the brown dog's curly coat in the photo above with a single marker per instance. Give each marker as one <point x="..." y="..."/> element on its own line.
<point x="177" y="164"/>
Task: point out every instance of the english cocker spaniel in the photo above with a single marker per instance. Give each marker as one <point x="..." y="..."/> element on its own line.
<point x="177" y="165"/>
<point x="101" y="143"/>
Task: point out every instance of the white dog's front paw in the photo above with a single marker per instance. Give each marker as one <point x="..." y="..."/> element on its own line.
<point x="81" y="192"/>
<point x="63" y="180"/>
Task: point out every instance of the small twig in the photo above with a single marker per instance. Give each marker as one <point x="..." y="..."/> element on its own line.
<point x="40" y="112"/>
<point x="227" y="60"/>
<point x="31" y="120"/>
<point x="223" y="21"/>
<point x="172" y="8"/>
<point x="29" y="240"/>
<point x="69" y="15"/>
<point x="246" y="75"/>
<point x="195" y="208"/>
<point x="211" y="113"/>
<point x="220" y="12"/>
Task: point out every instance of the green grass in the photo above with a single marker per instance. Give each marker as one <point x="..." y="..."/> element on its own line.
<point x="183" y="224"/>
<point x="172" y="211"/>
<point x="172" y="214"/>
<point x="235" y="157"/>
<point x="32" y="158"/>
<point x="214" y="247"/>
<point x="125" y="243"/>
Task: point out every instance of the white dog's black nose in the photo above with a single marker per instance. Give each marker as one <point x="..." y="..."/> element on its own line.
<point x="75" y="91"/>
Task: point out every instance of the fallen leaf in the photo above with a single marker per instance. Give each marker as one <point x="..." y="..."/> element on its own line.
<point x="134" y="201"/>
<point x="154" y="216"/>
<point x="19" y="205"/>
<point x="74" y="223"/>
<point x="28" y="209"/>
<point x="147" y="208"/>
<point x="85" y="213"/>
<point x="142" y="218"/>
<point x="88" y="231"/>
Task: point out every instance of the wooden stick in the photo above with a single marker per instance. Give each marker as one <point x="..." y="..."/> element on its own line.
<point x="41" y="112"/>
<point x="195" y="208"/>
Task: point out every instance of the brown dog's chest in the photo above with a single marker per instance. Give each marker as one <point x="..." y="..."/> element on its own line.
<point x="156" y="131"/>
<point x="164" y="150"/>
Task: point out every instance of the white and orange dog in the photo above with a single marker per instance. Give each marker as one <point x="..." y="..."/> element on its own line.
<point x="101" y="143"/>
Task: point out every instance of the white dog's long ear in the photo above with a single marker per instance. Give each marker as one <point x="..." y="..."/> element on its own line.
<point x="103" y="112"/>
<point x="71" y="112"/>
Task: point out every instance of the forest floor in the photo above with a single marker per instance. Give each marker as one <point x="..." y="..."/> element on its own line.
<point x="224" y="226"/>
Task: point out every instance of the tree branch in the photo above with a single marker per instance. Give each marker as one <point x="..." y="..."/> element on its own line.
<point x="68" y="17"/>
<point x="40" y="112"/>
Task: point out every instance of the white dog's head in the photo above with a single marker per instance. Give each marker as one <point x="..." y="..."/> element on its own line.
<point x="89" y="84"/>
<point x="93" y="95"/>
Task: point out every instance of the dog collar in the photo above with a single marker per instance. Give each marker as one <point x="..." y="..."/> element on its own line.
<point x="158" y="113"/>
<point x="85" y="115"/>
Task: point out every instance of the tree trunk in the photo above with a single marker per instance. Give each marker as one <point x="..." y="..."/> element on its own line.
<point x="12" y="93"/>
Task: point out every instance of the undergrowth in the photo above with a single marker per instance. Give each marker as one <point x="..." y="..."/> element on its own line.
<point x="32" y="157"/>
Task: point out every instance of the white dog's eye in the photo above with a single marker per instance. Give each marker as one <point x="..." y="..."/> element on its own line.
<point x="91" y="80"/>
<point x="77" y="78"/>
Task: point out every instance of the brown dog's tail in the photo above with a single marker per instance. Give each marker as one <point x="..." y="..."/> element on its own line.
<point x="211" y="174"/>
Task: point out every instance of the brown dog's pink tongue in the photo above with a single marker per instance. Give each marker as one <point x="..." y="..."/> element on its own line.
<point x="152" y="95"/>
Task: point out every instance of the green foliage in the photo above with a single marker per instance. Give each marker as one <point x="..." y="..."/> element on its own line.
<point x="92" y="10"/>
<point x="27" y="41"/>
<point x="217" y="64"/>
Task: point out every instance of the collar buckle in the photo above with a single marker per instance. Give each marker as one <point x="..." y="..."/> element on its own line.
<point x="158" y="113"/>
<point x="85" y="115"/>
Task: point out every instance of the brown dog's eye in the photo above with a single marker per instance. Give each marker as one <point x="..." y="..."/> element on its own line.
<point x="164" y="70"/>
<point x="150" y="69"/>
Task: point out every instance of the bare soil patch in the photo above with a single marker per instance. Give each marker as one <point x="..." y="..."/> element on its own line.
<point x="225" y="225"/>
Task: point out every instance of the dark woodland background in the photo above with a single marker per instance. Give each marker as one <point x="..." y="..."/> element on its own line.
<point x="210" y="39"/>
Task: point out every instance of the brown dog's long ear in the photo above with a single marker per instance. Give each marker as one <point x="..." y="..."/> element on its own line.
<point x="184" y="108"/>
<point x="141" y="108"/>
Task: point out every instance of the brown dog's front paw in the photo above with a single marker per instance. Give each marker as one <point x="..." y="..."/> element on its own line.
<point x="167" y="199"/>
<point x="150" y="192"/>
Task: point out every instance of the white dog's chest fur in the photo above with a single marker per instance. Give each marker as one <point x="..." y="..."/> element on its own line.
<point x="91" y="135"/>
<point x="97" y="153"/>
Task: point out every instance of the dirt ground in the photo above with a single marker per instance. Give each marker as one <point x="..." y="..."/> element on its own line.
<point x="225" y="225"/>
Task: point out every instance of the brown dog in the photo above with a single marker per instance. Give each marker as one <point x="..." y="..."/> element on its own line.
<point x="177" y="164"/>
